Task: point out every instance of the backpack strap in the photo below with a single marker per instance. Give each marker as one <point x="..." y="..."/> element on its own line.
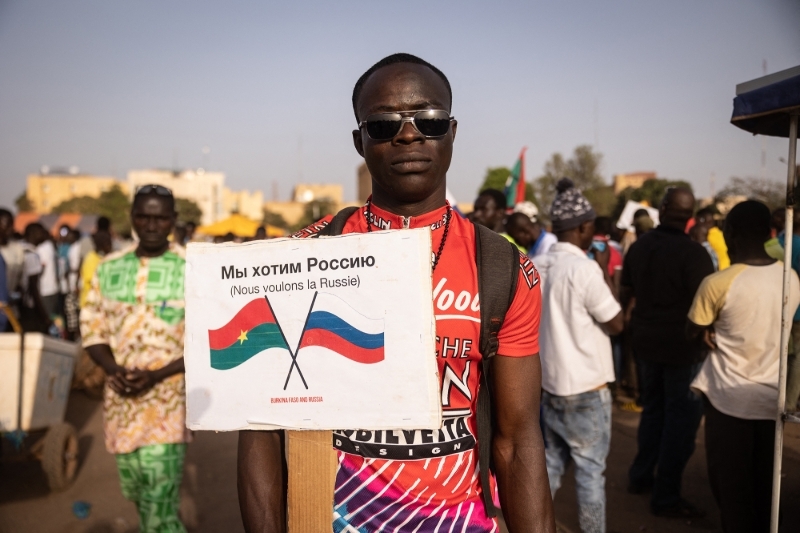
<point x="498" y="271"/>
<point x="336" y="225"/>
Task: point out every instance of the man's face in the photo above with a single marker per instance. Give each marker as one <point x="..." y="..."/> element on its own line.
<point x="486" y="212"/>
<point x="6" y="228"/>
<point x="409" y="167"/>
<point x="586" y="234"/>
<point x="153" y="219"/>
<point x="523" y="236"/>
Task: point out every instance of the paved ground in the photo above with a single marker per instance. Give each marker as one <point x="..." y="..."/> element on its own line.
<point x="210" y="503"/>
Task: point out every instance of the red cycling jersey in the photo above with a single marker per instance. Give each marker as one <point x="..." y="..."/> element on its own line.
<point x="427" y="481"/>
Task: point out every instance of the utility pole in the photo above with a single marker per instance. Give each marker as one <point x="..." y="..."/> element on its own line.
<point x="711" y="185"/>
<point x="763" y="138"/>
<point x="300" y="159"/>
<point x="596" y="126"/>
<point x="206" y="152"/>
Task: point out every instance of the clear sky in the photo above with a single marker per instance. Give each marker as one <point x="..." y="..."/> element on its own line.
<point x="114" y="86"/>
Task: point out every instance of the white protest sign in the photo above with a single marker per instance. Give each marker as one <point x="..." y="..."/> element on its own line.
<point x="625" y="221"/>
<point x="328" y="333"/>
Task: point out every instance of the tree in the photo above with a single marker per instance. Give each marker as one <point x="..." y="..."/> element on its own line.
<point x="274" y="219"/>
<point x="496" y="179"/>
<point x="772" y="193"/>
<point x="22" y="203"/>
<point x="113" y="204"/>
<point x="315" y="210"/>
<point x="583" y="168"/>
<point x="188" y="211"/>
<point x="602" y="199"/>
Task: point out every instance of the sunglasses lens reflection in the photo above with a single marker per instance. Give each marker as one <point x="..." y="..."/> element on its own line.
<point x="432" y="123"/>
<point x="385" y="127"/>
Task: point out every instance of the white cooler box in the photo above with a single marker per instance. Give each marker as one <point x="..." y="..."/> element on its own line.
<point x="47" y="370"/>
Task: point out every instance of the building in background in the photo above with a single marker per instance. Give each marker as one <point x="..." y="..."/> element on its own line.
<point x="246" y="203"/>
<point x="320" y="192"/>
<point x="634" y="179"/>
<point x="723" y="205"/>
<point x="53" y="186"/>
<point x="203" y="188"/>
<point x="304" y="193"/>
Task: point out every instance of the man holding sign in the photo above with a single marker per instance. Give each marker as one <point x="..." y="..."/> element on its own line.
<point x="425" y="480"/>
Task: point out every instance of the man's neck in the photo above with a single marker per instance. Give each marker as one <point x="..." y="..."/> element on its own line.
<point x="571" y="239"/>
<point x="408" y="209"/>
<point x="757" y="256"/>
<point x="144" y="252"/>
<point x="678" y="226"/>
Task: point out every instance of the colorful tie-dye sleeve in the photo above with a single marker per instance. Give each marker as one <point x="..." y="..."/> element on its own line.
<point x="94" y="324"/>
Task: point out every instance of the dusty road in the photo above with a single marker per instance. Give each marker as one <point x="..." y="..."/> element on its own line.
<point x="209" y="491"/>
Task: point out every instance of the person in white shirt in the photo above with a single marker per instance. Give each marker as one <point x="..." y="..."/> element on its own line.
<point x="33" y="315"/>
<point x="49" y="286"/>
<point x="73" y="269"/>
<point x="543" y="240"/>
<point x="737" y="314"/>
<point x="579" y="312"/>
<point x="14" y="255"/>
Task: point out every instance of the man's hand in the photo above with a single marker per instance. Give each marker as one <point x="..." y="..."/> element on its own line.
<point x="130" y="382"/>
<point x="139" y="381"/>
<point x="116" y="379"/>
<point x="710" y="338"/>
<point x="701" y="334"/>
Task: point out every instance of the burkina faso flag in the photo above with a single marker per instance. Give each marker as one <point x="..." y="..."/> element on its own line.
<point x="252" y="330"/>
<point x="515" y="184"/>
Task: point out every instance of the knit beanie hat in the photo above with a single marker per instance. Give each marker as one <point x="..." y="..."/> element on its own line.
<point x="570" y="208"/>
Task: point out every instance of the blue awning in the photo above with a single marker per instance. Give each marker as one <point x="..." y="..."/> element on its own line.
<point x="762" y="106"/>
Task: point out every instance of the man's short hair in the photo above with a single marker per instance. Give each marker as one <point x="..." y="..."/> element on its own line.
<point x="393" y="60"/>
<point x="32" y="228"/>
<point x="518" y="221"/>
<point x="103" y="224"/>
<point x="6" y="213"/>
<point x="498" y="197"/>
<point x="152" y="193"/>
<point x="749" y="221"/>
<point x="603" y="226"/>
<point x="707" y="211"/>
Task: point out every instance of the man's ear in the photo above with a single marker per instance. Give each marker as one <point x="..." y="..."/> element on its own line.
<point x="455" y="127"/>
<point x="358" y="142"/>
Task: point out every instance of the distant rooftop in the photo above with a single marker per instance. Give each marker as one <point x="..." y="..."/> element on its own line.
<point x="46" y="170"/>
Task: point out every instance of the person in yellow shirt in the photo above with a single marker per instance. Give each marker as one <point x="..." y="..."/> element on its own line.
<point x="102" y="246"/>
<point x="705" y="217"/>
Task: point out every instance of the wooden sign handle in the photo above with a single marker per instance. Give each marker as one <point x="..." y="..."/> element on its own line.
<point x="311" y="463"/>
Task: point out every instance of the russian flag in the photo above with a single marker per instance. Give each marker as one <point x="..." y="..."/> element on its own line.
<point x="334" y="325"/>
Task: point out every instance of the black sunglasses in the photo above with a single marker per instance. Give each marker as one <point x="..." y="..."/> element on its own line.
<point x="158" y="189"/>
<point x="429" y="122"/>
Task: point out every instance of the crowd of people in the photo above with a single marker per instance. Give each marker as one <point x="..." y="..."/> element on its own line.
<point x="697" y="309"/>
<point x="682" y="316"/>
<point x="47" y="274"/>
